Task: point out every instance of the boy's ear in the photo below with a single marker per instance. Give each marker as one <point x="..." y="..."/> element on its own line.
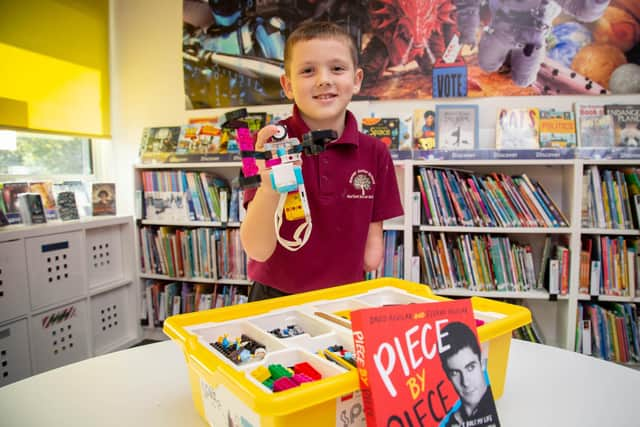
<point x="286" y="86"/>
<point x="357" y="83"/>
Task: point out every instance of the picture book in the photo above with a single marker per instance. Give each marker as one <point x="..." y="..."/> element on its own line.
<point x="626" y="121"/>
<point x="31" y="208"/>
<point x="158" y="143"/>
<point x="386" y="129"/>
<point x="10" y="192"/>
<point x="424" y="129"/>
<point x="81" y="193"/>
<point x="67" y="207"/>
<point x="456" y="127"/>
<point x="557" y="129"/>
<point x="103" y="198"/>
<point x="596" y="131"/>
<point x="45" y="189"/>
<point x="517" y="128"/>
<point x="199" y="138"/>
<point x="422" y="365"/>
<point x="406" y="132"/>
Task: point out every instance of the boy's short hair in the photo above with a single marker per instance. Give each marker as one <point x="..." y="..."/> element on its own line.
<point x="310" y="30"/>
<point x="464" y="337"/>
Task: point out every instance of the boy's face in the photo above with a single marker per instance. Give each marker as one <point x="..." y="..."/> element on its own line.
<point x="465" y="372"/>
<point x="322" y="79"/>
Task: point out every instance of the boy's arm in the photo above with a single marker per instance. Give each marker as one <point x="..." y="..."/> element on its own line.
<point x="374" y="248"/>
<point x="257" y="231"/>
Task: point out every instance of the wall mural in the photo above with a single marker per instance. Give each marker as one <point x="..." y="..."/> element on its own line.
<point x="411" y="49"/>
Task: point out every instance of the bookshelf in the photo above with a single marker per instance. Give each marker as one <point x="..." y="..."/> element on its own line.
<point x="68" y="291"/>
<point x="561" y="176"/>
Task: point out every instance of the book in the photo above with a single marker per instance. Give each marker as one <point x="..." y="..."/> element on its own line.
<point x="424" y="129"/>
<point x="199" y="138"/>
<point x="10" y="191"/>
<point x="517" y="128"/>
<point x="626" y="123"/>
<point x="103" y="196"/>
<point x="422" y="364"/>
<point x="67" y="206"/>
<point x="596" y="131"/>
<point x="386" y="129"/>
<point x="158" y="143"/>
<point x="45" y="189"/>
<point x="31" y="208"/>
<point x="557" y="129"/>
<point x="457" y="127"/>
<point x="79" y="189"/>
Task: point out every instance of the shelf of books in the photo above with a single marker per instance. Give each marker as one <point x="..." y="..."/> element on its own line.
<point x="545" y="216"/>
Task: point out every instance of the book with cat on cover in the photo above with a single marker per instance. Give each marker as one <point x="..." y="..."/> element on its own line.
<point x="422" y="365"/>
<point x="517" y="128"/>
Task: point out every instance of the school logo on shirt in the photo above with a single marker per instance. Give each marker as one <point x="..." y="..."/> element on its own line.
<point x="363" y="184"/>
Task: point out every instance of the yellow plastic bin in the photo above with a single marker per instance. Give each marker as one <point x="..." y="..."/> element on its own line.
<point x="228" y="394"/>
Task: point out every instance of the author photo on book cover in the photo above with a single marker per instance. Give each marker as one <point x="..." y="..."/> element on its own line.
<point x="462" y="362"/>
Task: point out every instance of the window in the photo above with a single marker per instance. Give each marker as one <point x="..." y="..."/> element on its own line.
<point x="26" y="154"/>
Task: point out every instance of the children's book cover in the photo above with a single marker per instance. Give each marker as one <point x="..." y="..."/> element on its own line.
<point x="424" y="129"/>
<point x="457" y="127"/>
<point x="158" y="143"/>
<point x="31" y="208"/>
<point x="80" y="190"/>
<point x="386" y="129"/>
<point x="626" y="120"/>
<point x="596" y="131"/>
<point x="45" y="189"/>
<point x="10" y="192"/>
<point x="199" y="138"/>
<point x="103" y="197"/>
<point x="422" y="364"/>
<point x="67" y="206"/>
<point x="517" y="128"/>
<point x="557" y="129"/>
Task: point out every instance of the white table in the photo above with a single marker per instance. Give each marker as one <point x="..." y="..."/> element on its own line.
<point x="148" y="386"/>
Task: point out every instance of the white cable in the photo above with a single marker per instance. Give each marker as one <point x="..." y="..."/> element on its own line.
<point x="297" y="243"/>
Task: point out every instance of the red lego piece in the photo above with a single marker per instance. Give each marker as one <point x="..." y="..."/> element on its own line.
<point x="308" y="370"/>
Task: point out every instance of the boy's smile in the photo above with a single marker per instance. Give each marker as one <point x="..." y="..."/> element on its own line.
<point x="322" y="79"/>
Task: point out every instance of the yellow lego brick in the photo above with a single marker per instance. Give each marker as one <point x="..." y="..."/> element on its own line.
<point x="293" y="207"/>
<point x="261" y="373"/>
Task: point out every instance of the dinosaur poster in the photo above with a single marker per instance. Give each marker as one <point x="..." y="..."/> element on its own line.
<point x="417" y="49"/>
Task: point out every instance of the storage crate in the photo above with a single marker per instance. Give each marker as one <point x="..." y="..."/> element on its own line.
<point x="59" y="336"/>
<point x="104" y="256"/>
<point x="56" y="268"/>
<point x="15" y="363"/>
<point x="111" y="319"/>
<point x="231" y="392"/>
<point x="14" y="294"/>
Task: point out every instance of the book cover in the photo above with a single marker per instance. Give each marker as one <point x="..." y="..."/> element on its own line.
<point x="10" y="192"/>
<point x="557" y="129"/>
<point x="45" y="189"/>
<point x="199" y="138"/>
<point x="596" y="131"/>
<point x="424" y="129"/>
<point x="386" y="129"/>
<point x="626" y="121"/>
<point x="422" y="364"/>
<point x="457" y="127"/>
<point x="67" y="207"/>
<point x="517" y="128"/>
<point x="31" y="208"/>
<point x="81" y="193"/>
<point x="103" y="196"/>
<point x="158" y="143"/>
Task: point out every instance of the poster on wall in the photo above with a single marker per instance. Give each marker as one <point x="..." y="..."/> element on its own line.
<point x="418" y="49"/>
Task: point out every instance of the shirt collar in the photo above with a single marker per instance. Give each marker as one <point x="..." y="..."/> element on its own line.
<point x="349" y="135"/>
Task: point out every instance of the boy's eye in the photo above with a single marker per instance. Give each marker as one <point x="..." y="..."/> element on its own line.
<point x="306" y="71"/>
<point x="338" y="68"/>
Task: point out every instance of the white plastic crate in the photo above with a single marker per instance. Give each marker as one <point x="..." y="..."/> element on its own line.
<point x="111" y="319"/>
<point x="104" y="256"/>
<point x="55" y="267"/>
<point x="14" y="352"/>
<point x="59" y="336"/>
<point x="14" y="294"/>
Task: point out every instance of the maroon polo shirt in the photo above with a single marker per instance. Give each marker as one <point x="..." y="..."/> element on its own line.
<point x="349" y="185"/>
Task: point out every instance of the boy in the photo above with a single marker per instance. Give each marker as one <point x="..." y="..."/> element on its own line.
<point x="351" y="186"/>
